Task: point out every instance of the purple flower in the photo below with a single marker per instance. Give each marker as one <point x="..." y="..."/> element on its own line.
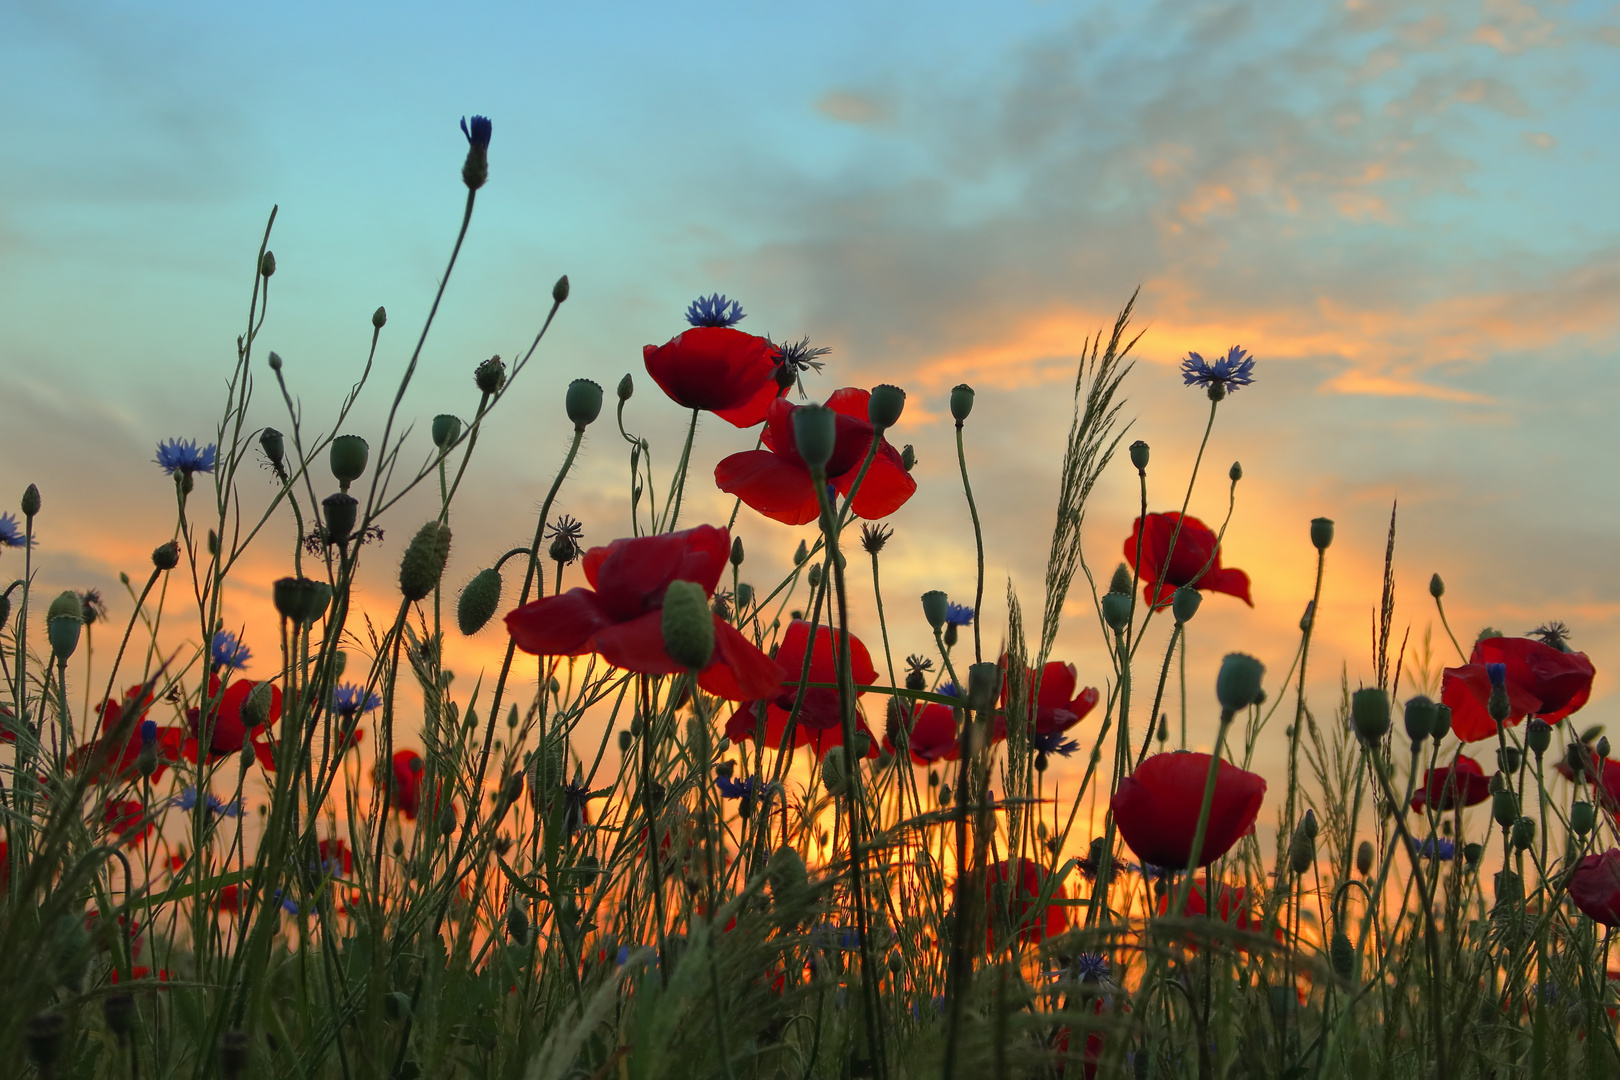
<point x="185" y="457"/>
<point x="1498" y="675"/>
<point x="349" y="701"/>
<point x="1440" y="848"/>
<point x="149" y="732"/>
<point x="479" y="132"/>
<point x="958" y="615"/>
<point x="11" y="533"/>
<point x="1233" y="370"/>
<point x="229" y="652"/>
<point x="716" y="310"/>
<point x="1091" y="967"/>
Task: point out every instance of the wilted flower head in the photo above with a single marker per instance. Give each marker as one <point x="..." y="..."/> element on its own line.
<point x="794" y="358"/>
<point x="349" y="701"/>
<point x="11" y="533"/>
<point x="874" y="536"/>
<point x="185" y="457"/>
<point x="95" y="609"/>
<point x="1552" y="633"/>
<point x="1091" y="967"/>
<point x="564" y="537"/>
<point x="716" y="310"/>
<point x="228" y="651"/>
<point x="1233" y="370"/>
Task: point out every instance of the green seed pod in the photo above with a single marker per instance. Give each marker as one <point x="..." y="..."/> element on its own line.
<point x="1364" y="858"/>
<point x="340" y="509"/>
<point x="624" y="742"/>
<point x="30" y="500"/>
<point x="274" y="446"/>
<point x="479" y="599"/>
<point x="1538" y="736"/>
<point x="834" y="773"/>
<point x="815" y="434"/>
<point x="1505" y="807"/>
<point x="1524" y="833"/>
<point x="1139" y="455"/>
<point x="688" y="625"/>
<point x="423" y="563"/>
<point x="1442" y="722"/>
<point x="267" y="264"/>
<point x="1184" y="603"/>
<point x="885" y="405"/>
<point x="301" y="599"/>
<point x="559" y="290"/>
<point x="490" y="375"/>
<point x="1419" y="716"/>
<point x="984" y="685"/>
<point x="786" y="874"/>
<point x="1120" y="582"/>
<point x="1369" y="712"/>
<point x="63" y="632"/>
<point x="935" y="606"/>
<point x="908" y="457"/>
<point x="1237" y="685"/>
<point x="1321" y="533"/>
<point x="1116" y="611"/>
<point x="583" y="403"/>
<point x="961" y="401"/>
<point x="379" y="318"/>
<point x="1301" y="850"/>
<point x="1437" y="588"/>
<point x="66" y="604"/>
<point x="348" y="457"/>
<point x="1508" y="759"/>
<point x="1582" y="818"/>
<point x="446" y="430"/>
<point x="1343" y="953"/>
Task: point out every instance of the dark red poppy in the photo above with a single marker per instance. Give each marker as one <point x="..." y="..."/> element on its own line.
<point x="718" y="369"/>
<point x="1541" y="681"/>
<point x="1157" y="808"/>
<point x="128" y="820"/>
<point x="1595" y="887"/>
<point x="229" y="900"/>
<point x="1059" y="707"/>
<point x="743" y="725"/>
<point x="1196" y="545"/>
<point x="121" y="759"/>
<point x="820" y="724"/>
<point x="1607" y="786"/>
<point x="1092" y="1055"/>
<point x="407" y="778"/>
<point x="1231" y="907"/>
<point x="336" y="858"/>
<point x="934" y="735"/>
<point x="776" y="482"/>
<point x="140" y="972"/>
<point x="1464" y="784"/>
<point x="1015" y="906"/>
<point x="622" y="619"/>
<point x="230" y="732"/>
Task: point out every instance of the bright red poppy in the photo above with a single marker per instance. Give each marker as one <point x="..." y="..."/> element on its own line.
<point x="139" y="972"/>
<point x="934" y="735"/>
<point x="1157" y="808"/>
<point x="1059" y="707"/>
<point x="820" y="725"/>
<point x="1595" y="887"/>
<point x="776" y="482"/>
<point x="1163" y="572"/>
<point x="718" y="369"/>
<point x="621" y="617"/>
<point x="1016" y="908"/>
<point x="1231" y="907"/>
<point x="128" y="820"/>
<point x="120" y="760"/>
<point x="230" y="732"/>
<point x="1464" y="784"/>
<point x="1541" y="681"/>
<point x="336" y="858"/>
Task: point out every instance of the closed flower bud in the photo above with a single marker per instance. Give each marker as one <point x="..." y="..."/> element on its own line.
<point x="1538" y="736"/>
<point x="1419" y="718"/>
<point x="1322" y="533"/>
<point x="908" y="458"/>
<point x="736" y="551"/>
<point x="935" y="605"/>
<point x="815" y="432"/>
<point x="885" y="405"/>
<point x="1369" y="712"/>
<point x="379" y="318"/>
<point x="1301" y="850"/>
<point x="745" y="596"/>
<point x="166" y="556"/>
<point x="1364" y="858"/>
<point x="423" y="562"/>
<point x="1437" y="588"/>
<point x="625" y="739"/>
<point x="256" y="708"/>
<point x="517" y="924"/>
<point x="348" y="458"/>
<point x="30" y="504"/>
<point x="1184" y="603"/>
<point x="446" y="430"/>
<point x="1235" y="473"/>
<point x="274" y="361"/>
<point x="688" y="625"/>
<point x="1582" y="818"/>
<point x="1508" y="759"/>
<point x="1237" y="684"/>
<point x="1343" y="953"/>
<point x="627" y="386"/>
<point x="1524" y="833"/>
<point x="1308" y="619"/>
<point x="247" y="756"/>
<point x="447" y="821"/>
<point x="559" y="290"/>
<point x="814" y="576"/>
<point x="984" y="685"/>
<point x="301" y="599"/>
<point x="1116" y="611"/>
<point x="1442" y="722"/>
<point x="1472" y="853"/>
<point x="944" y="794"/>
<point x="1498" y="705"/>
<point x="478" y="601"/>
<point x="800" y="554"/>
<point x="834" y="773"/>
<point x="583" y="402"/>
<point x="1139" y="455"/>
<point x="267" y="264"/>
<point x="1602" y="747"/>
<point x="274" y="445"/>
<point x="961" y="401"/>
<point x="1308" y="823"/>
<point x="1121" y="581"/>
<point x="490" y="376"/>
<point x="341" y="510"/>
<point x="1505" y="807"/>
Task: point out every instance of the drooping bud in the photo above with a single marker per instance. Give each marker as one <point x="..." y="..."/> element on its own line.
<point x="800" y="554"/>
<point x="815" y="433"/>
<point x="446" y="430"/>
<point x="559" y="290"/>
<point x="1184" y="603"/>
<point x="961" y="402"/>
<point x="490" y="375"/>
<point x="274" y="361"/>
<point x="1437" y="588"/>
<point x="627" y="386"/>
<point x="1419" y="718"/>
<point x="1321" y="533"/>
<point x="885" y="405"/>
<point x="1369" y="712"/>
<point x="274" y="446"/>
<point x="166" y="556"/>
<point x="625" y="739"/>
<point x="348" y="458"/>
<point x="984" y="685"/>
<point x="834" y="773"/>
<point x="583" y="403"/>
<point x="1139" y="455"/>
<point x="423" y="562"/>
<point x="688" y="625"/>
<point x="341" y="509"/>
<point x="1237" y="685"/>
<point x="936" y="606"/>
<point x="478" y="601"/>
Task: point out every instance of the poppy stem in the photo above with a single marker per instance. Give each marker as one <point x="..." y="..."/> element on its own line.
<point x="978" y="542"/>
<point x="680" y="475"/>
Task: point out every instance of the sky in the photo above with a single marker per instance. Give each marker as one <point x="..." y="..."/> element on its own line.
<point x="1403" y="210"/>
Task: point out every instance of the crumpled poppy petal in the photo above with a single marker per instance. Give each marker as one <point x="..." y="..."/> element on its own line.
<point x="770" y="484"/>
<point x="739" y="670"/>
<point x="557" y="625"/>
<point x="885" y="489"/>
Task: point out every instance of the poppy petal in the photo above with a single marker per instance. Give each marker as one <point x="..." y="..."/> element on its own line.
<point x="557" y="625"/>
<point x="771" y="485"/>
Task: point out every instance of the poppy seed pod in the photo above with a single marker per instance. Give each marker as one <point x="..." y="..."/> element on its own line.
<point x="1301" y="849"/>
<point x="1538" y="736"/>
<point x="688" y="625"/>
<point x="1582" y="817"/>
<point x="1184" y="603"/>
<point x="984" y="685"/>
<point x="446" y="430"/>
<point x="1139" y="455"/>
<point x="1321" y="533"/>
<point x="883" y="408"/>
<point x="1472" y="853"/>
<point x="341" y="510"/>
<point x="1369" y="713"/>
<point x="267" y="264"/>
<point x="274" y="445"/>
<point x="166" y="556"/>
<point x="30" y="500"/>
<point x="490" y="375"/>
<point x="1419" y="716"/>
<point x="1524" y="833"/>
<point x="834" y="773"/>
<point x="1116" y="611"/>
<point x="583" y="403"/>
<point x="1364" y="858"/>
<point x="348" y="458"/>
<point x="1505" y="807"/>
<point x="736" y="551"/>
<point x="1508" y="759"/>
<point x="301" y="599"/>
<point x="908" y="457"/>
<point x="961" y="401"/>
<point x="559" y="290"/>
<point x="815" y="434"/>
<point x="627" y="386"/>
<point x="935" y="605"/>
<point x="256" y="708"/>
<point x="379" y="318"/>
<point x="423" y="562"/>
<point x="1237" y="685"/>
<point x="1442" y="722"/>
<point x="478" y="601"/>
<point x="1437" y="588"/>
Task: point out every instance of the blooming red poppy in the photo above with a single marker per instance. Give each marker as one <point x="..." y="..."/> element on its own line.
<point x="719" y="369"/>
<point x="128" y="820"/>
<point x="1464" y="784"/>
<point x="1157" y="808"/>
<point x="776" y="482"/>
<point x="1595" y="887"/>
<point x="1059" y="707"/>
<point x="1541" y="681"/>
<point x="1016" y="908"/>
<point x="407" y="777"/>
<point x="336" y="858"/>
<point x="1231" y="907"/>
<point x="1092" y="1055"/>
<point x="229" y="732"/>
<point x="120" y="760"/>
<point x="1196" y="545"/>
<point x="934" y="735"/>
<point x="1607" y="786"/>
<point x="229" y="900"/>
<point x="820" y="723"/>
<point x="621" y="616"/>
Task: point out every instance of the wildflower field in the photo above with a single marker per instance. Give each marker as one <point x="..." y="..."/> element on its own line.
<point x="704" y="821"/>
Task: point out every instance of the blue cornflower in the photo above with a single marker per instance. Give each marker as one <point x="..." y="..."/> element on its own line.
<point x="736" y="789"/>
<point x="11" y="533"/>
<point x="148" y="732"/>
<point x="1438" y="848"/>
<point x="185" y="457"/>
<point x="349" y="701"/>
<point x="479" y="132"/>
<point x="958" y="615"/>
<point x="187" y="800"/>
<point x="1091" y="967"/>
<point x="1053" y="742"/>
<point x="1233" y="370"/>
<point x="624" y="955"/>
<point x="1150" y="872"/>
<point x="716" y="310"/>
<point x="229" y="652"/>
<point x="947" y="689"/>
<point x="1498" y="675"/>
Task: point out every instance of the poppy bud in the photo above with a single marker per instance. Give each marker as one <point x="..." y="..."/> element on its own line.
<point x="1538" y="736"/>
<point x="583" y="403"/>
<point x="1524" y="833"/>
<point x="256" y="707"/>
<point x="627" y="386"/>
<point x="1437" y="588"/>
<point x="745" y="595"/>
<point x="833" y="772"/>
<point x="1602" y="747"/>
<point x="341" y="510"/>
<point x="1308" y="823"/>
<point x="267" y="264"/>
<point x="1419" y="718"/>
<point x="423" y="562"/>
<point x="1121" y="581"/>
<point x="1184" y="604"/>
<point x="30" y="502"/>
<point x="1237" y="685"/>
<point x="301" y="599"/>
<point x="166" y="556"/>
<point x="1442" y="721"/>
<point x="1301" y="850"/>
<point x="274" y="446"/>
<point x="961" y="402"/>
<point x="944" y="794"/>
<point x="119" y="1012"/>
<point x="348" y="458"/>
<point x="379" y="318"/>
<point x="446" y="430"/>
<point x="1322" y="533"/>
<point x="479" y="599"/>
<point x="935" y="606"/>
<point x="1139" y="455"/>
<point x="885" y="405"/>
<point x="559" y="290"/>
<point x="688" y="625"/>
<point x="1116" y="611"/>
<point x="736" y="551"/>
<point x="1582" y="817"/>
<point x="908" y="458"/>
<point x="1343" y="953"/>
<point x="233" y="1053"/>
<point x="1040" y="761"/>
<point x="624" y="742"/>
<point x="800" y="554"/>
<point x="815" y="434"/>
<point x="43" y="1036"/>
<point x="1505" y="807"/>
<point x="1509" y="887"/>
<point x="815" y="575"/>
<point x="248" y="755"/>
<point x="1369" y="712"/>
<point x="984" y="684"/>
<point x="1164" y="727"/>
<point x="1508" y="759"/>
<point x="1472" y="853"/>
<point x="490" y="376"/>
<point x="274" y="361"/>
<point x="1364" y="858"/>
<point x="1235" y="472"/>
<point x="517" y="924"/>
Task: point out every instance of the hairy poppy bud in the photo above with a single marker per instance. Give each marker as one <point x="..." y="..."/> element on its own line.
<point x="1121" y="581"/>
<point x="1237" y="685"/>
<point x="1538" y="736"/>
<point x="64" y="623"/>
<point x="1524" y="833"/>
<point x="267" y="264"/>
<point x="1301" y="849"/>
<point x="1442" y="722"/>
<point x="1139" y="455"/>
<point x="814" y="576"/>
<point x="341" y="510"/>
<point x="446" y="430"/>
<point x="1184" y="603"/>
<point x="1505" y="807"/>
<point x="1369" y="712"/>
<point x="961" y="401"/>
<point x="1419" y="718"/>
<point x="583" y="402"/>
<point x="1116" y="611"/>
<point x="935" y="606"/>
<point x="30" y="506"/>
<point x="745" y="595"/>
<point x="801" y="553"/>
<point x="1602" y="747"/>
<point x="1235" y="473"/>
<point x="166" y="556"/>
<point x="478" y="601"/>
<point x="256" y="708"/>
<point x="517" y="924"/>
<point x="1343" y="953"/>
<point x="1308" y="619"/>
<point x="834" y="773"/>
<point x="736" y="551"/>
<point x="1364" y="858"/>
<point x="274" y="361"/>
<point x="688" y="625"/>
<point x="274" y="445"/>
<point x="627" y="386"/>
<point x="815" y="433"/>
<point x="908" y="458"/>
<point x="348" y="458"/>
<point x="1508" y="759"/>
<point x="559" y="290"/>
<point x="885" y="405"/>
<point x="984" y="684"/>
<point x="423" y="562"/>
<point x="301" y="599"/>
<point x="1582" y="817"/>
<point x="1437" y="588"/>
<point x="379" y="318"/>
<point x="1472" y="853"/>
<point x="490" y="375"/>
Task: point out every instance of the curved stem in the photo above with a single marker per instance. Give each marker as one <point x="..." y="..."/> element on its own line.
<point x="978" y="541"/>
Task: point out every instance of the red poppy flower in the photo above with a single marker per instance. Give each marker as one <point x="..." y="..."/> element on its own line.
<point x="1607" y="786"/>
<point x="407" y="777"/>
<point x="1092" y="1055"/>
<point x="229" y="900"/>
<point x="1157" y="808"/>
<point x="1059" y="707"/>
<point x="5" y="865"/>
<point x="1541" y="681"/>
<point x="934" y="735"/>
<point x="1463" y="784"/>
<point x="622" y="619"/>
<point x="229" y="732"/>
<point x="120" y="760"/>
<point x="1196" y="545"/>
<point x="1016" y="908"/>
<point x="128" y="820"/>
<point x="820" y="724"/>
<point x="1595" y="887"/>
<point x="1231" y="908"/>
<point x="140" y="972"/>
<point x="718" y="369"/>
<point x="336" y="858"/>
<point x="776" y="482"/>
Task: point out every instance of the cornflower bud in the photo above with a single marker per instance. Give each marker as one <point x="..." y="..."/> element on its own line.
<point x="800" y="554"/>
<point x="1139" y="455"/>
<point x="583" y="403"/>
<point x="688" y="625"/>
<point x="1369" y="713"/>
<point x="475" y="170"/>
<point x="166" y="556"/>
<point x="961" y="402"/>
<point x="624" y="742"/>
<point x="1321" y="533"/>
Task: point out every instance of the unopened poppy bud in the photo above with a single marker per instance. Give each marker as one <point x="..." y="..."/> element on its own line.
<point x="688" y="625"/>
<point x="446" y="430"/>
<point x="1343" y="953"/>
<point x="43" y="1036"/>
<point x="1164" y="727"/>
<point x="1472" y="853"/>
<point x="1308" y="619"/>
<point x="1369" y="712"/>
<point x="1235" y="473"/>
<point x="1538" y="736"/>
<point x="30" y="503"/>
<point x="341" y="510"/>
<point x="1419" y="717"/>
<point x="166" y="556"/>
<point x="944" y="794"/>
<point x="256" y="708"/>
<point x="583" y="403"/>
<point x="1437" y="587"/>
<point x="1237" y="684"/>
<point x="478" y="601"/>
<point x="1116" y="611"/>
<point x="274" y="361"/>
<point x="883" y="408"/>
<point x="1301" y="850"/>
<point x="1582" y="818"/>
<point x="1602" y="747"/>
<point x="423" y="562"/>
<point x="379" y="318"/>
<point x="1442" y="722"/>
<point x="815" y="433"/>
<point x="274" y="445"/>
<point x="1524" y="833"/>
<point x="447" y="821"/>
<point x="490" y="375"/>
<point x="301" y="599"/>
<point x="1498" y="782"/>
<point x="936" y="606"/>
<point x="1364" y="857"/>
<point x="745" y="595"/>
<point x="517" y="924"/>
<point x="348" y="458"/>
<point x="559" y="290"/>
<point x="1121" y="580"/>
<point x="800" y="554"/>
<point x="247" y="756"/>
<point x="1508" y="759"/>
<point x="624" y="742"/>
<point x="1184" y="603"/>
<point x="736" y="551"/>
<point x="984" y="685"/>
<point x="1139" y="455"/>
<point x="267" y="264"/>
<point x="627" y="386"/>
<point x="961" y="401"/>
<point x="1308" y="823"/>
<point x="1505" y="807"/>
<point x="908" y="458"/>
<point x="833" y="771"/>
<point x="815" y="576"/>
